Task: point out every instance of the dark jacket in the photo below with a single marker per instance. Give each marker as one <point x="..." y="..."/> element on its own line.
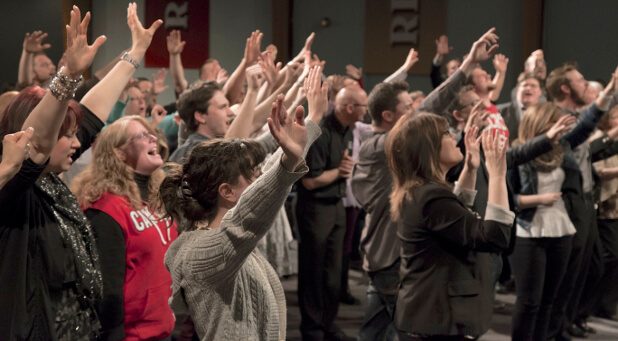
<point x="511" y="119"/>
<point x="441" y="291"/>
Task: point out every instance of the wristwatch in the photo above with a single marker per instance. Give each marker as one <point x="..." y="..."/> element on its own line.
<point x="130" y="59"/>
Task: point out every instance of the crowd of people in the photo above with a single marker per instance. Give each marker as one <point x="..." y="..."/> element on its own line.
<point x="121" y="217"/>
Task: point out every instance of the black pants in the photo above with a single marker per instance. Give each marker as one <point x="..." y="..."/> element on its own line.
<point x="607" y="297"/>
<point x="321" y="227"/>
<point x="539" y="264"/>
<point x="581" y="212"/>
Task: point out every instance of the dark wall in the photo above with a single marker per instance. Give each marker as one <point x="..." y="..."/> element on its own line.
<point x="21" y="16"/>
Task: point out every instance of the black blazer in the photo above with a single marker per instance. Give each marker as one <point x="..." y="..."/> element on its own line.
<point x="441" y="290"/>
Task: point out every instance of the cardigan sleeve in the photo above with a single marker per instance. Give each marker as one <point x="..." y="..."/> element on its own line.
<point x="110" y="242"/>
<point x="219" y="254"/>
<point x="450" y="220"/>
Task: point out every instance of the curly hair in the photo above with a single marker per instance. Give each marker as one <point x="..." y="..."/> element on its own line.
<point x="191" y="191"/>
<point x="107" y="172"/>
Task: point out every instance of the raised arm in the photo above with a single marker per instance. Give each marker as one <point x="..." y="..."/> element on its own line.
<point x="48" y="115"/>
<point x="175" y="45"/>
<point x="33" y="44"/>
<point x="500" y="64"/>
<point x="440" y="98"/>
<point x="242" y="126"/>
<point x="102" y="97"/>
<point x="402" y="73"/>
<point x="14" y="152"/>
<point x="234" y="84"/>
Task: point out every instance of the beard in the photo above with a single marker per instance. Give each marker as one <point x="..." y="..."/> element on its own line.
<point x="579" y="100"/>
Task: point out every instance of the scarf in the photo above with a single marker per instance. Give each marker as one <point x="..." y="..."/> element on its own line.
<point x="76" y="231"/>
<point x="549" y="161"/>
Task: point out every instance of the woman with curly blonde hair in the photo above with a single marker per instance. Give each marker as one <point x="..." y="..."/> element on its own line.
<point x="132" y="239"/>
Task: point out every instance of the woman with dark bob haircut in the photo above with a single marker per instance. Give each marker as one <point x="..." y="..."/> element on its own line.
<point x="440" y="295"/>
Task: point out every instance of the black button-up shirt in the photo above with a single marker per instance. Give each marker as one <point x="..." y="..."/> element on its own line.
<point x="326" y="154"/>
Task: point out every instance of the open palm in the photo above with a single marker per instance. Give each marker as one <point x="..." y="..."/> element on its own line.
<point x="291" y="135"/>
<point x="79" y="54"/>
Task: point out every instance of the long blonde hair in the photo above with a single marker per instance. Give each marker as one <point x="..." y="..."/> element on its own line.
<point x="413" y="153"/>
<point x="108" y="173"/>
<point x="537" y="120"/>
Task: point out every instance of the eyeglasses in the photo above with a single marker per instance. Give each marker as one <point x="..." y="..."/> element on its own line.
<point x="141" y="136"/>
<point x="360" y="105"/>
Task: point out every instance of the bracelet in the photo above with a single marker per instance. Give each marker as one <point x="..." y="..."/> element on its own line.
<point x="62" y="87"/>
<point x="130" y="59"/>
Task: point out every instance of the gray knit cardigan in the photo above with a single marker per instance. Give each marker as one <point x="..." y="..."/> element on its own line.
<point x="219" y="278"/>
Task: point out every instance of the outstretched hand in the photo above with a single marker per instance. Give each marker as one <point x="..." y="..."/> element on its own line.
<point x="175" y="45"/>
<point x="140" y="36"/>
<point x="290" y="135"/>
<point x="33" y="42"/>
<point x="158" y="82"/>
<point x="79" y="54"/>
<point x="354" y="72"/>
<point x="157" y="113"/>
<point x="252" y="48"/>
<point x="15" y="149"/>
<point x="483" y="49"/>
<point x="317" y="95"/>
<point x="472" y="142"/>
<point x="495" y="156"/>
<point x="478" y="117"/>
<point x="271" y="71"/>
<point x="442" y="47"/>
<point x="500" y="63"/>
<point x="564" y="124"/>
<point x="411" y="59"/>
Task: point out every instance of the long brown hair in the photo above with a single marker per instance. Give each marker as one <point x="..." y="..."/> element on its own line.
<point x="107" y="173"/>
<point x="536" y="121"/>
<point x="413" y="153"/>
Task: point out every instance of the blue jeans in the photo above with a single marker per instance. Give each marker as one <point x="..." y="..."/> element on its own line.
<point x="381" y="299"/>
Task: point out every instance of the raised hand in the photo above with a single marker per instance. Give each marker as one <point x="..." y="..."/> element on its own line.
<point x="175" y="45"/>
<point x="290" y="135"/>
<point x="500" y="63"/>
<point x="483" y="49"/>
<point x="255" y="77"/>
<point x="221" y="76"/>
<point x="442" y="47"/>
<point x="354" y="72"/>
<point x="158" y="82"/>
<point x="269" y="68"/>
<point x="411" y="59"/>
<point x="140" y="37"/>
<point x="252" y="49"/>
<point x="477" y="117"/>
<point x="564" y="124"/>
<point x="79" y="54"/>
<point x="33" y="42"/>
<point x="15" y="149"/>
<point x="63" y="61"/>
<point x="157" y="113"/>
<point x="495" y="157"/>
<point x="473" y="158"/>
<point x="316" y="62"/>
<point x="317" y="95"/>
<point x="272" y="49"/>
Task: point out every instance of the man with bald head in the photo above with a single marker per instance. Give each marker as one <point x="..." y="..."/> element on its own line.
<point x="321" y="216"/>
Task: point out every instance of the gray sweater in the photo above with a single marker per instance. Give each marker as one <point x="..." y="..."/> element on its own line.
<point x="219" y="277"/>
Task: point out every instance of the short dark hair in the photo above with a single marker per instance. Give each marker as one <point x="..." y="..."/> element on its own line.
<point x="529" y="75"/>
<point x="196" y="98"/>
<point x="456" y="104"/>
<point x="383" y="97"/>
<point x="557" y="78"/>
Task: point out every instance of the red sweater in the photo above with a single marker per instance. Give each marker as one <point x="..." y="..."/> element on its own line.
<point x="147" y="283"/>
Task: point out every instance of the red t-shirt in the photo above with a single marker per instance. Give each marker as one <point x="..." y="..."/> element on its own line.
<point x="147" y="283"/>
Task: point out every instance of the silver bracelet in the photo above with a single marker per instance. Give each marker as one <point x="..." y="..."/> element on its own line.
<point x="130" y="59"/>
<point x="62" y="87"/>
